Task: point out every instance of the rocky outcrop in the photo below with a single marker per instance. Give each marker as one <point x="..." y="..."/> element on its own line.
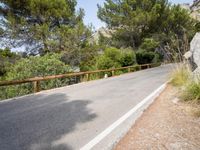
<point x="194" y="54"/>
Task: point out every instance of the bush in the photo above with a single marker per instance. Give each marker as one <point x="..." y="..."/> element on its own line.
<point x="192" y="92"/>
<point x="88" y="55"/>
<point x="180" y="76"/>
<point x="113" y="53"/>
<point x="37" y="66"/>
<point x="7" y="58"/>
<point x="149" y="44"/>
<point x="128" y="58"/>
<point x="104" y="62"/>
<point x="114" y="58"/>
<point x="145" y="57"/>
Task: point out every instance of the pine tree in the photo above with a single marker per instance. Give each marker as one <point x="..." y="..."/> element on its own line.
<point x="135" y="20"/>
<point x="42" y="26"/>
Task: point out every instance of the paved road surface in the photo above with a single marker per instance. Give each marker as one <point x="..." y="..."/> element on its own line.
<point x="69" y="117"/>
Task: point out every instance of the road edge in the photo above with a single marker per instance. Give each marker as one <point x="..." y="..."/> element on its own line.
<point x="131" y="116"/>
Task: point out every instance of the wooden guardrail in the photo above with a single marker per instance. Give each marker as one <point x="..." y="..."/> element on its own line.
<point x="36" y="80"/>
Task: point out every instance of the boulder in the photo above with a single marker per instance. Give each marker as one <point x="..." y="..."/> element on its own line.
<point x="195" y="49"/>
<point x="194" y="54"/>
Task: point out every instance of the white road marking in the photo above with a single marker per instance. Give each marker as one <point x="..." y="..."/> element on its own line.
<point x="108" y="130"/>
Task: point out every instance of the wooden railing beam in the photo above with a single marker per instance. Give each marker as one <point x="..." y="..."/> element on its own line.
<point x="36" y="80"/>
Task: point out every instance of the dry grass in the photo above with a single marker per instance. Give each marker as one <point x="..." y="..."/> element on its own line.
<point x="180" y="76"/>
<point x="190" y="89"/>
<point x="193" y="108"/>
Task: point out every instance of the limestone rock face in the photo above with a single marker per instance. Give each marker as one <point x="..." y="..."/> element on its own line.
<point x="195" y="49"/>
<point x="194" y="54"/>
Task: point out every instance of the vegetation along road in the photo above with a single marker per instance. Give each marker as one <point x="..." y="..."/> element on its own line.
<point x="70" y="117"/>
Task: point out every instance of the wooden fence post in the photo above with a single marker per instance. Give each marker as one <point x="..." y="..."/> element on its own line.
<point x="81" y="78"/>
<point x="87" y="77"/>
<point x="129" y="69"/>
<point x="36" y="86"/>
<point x="113" y="72"/>
<point x="140" y="67"/>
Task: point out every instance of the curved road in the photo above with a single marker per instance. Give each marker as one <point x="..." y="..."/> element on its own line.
<point x="69" y="117"/>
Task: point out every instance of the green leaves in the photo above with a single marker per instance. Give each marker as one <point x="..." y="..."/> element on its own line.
<point x="42" y="25"/>
<point x="133" y="21"/>
<point x="35" y="66"/>
<point x="147" y="57"/>
<point x="149" y="44"/>
<point x="115" y="58"/>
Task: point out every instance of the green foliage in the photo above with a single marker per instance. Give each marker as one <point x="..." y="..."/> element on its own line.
<point x="43" y="26"/>
<point x="197" y="27"/>
<point x="7" y="53"/>
<point x="87" y="56"/>
<point x="149" y="44"/>
<point x="105" y="62"/>
<point x="147" y="57"/>
<point x="147" y="24"/>
<point x="192" y="92"/>
<point x="113" y="53"/>
<point x="182" y="77"/>
<point x="128" y="58"/>
<point x="114" y="58"/>
<point x="35" y="66"/>
<point x="7" y="58"/>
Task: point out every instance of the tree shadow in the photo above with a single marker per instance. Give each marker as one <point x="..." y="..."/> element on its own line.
<point x="35" y="122"/>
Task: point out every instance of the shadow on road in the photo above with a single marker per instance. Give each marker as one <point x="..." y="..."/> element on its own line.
<point x="37" y="122"/>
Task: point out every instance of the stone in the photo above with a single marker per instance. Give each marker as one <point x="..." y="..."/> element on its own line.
<point x="188" y="55"/>
<point x="176" y="100"/>
<point x="195" y="49"/>
<point x="193" y="56"/>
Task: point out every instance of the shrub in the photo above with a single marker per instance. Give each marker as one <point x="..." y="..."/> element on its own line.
<point x="192" y="92"/>
<point x="7" y="58"/>
<point x="37" y="66"/>
<point x="113" y="53"/>
<point x="157" y="58"/>
<point x="180" y="76"/>
<point x="149" y="44"/>
<point x="114" y="58"/>
<point x="128" y="58"/>
<point x="144" y="57"/>
<point x="104" y="62"/>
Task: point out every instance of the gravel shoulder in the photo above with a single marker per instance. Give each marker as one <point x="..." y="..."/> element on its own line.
<point x="166" y="124"/>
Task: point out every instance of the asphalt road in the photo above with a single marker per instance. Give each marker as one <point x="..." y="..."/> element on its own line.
<point x="69" y="117"/>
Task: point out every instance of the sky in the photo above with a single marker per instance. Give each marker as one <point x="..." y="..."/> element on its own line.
<point x="90" y="7"/>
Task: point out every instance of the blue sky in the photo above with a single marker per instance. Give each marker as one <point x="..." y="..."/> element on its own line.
<point x="90" y="7"/>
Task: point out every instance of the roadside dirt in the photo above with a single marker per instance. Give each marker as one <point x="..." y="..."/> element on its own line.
<point x="166" y="124"/>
